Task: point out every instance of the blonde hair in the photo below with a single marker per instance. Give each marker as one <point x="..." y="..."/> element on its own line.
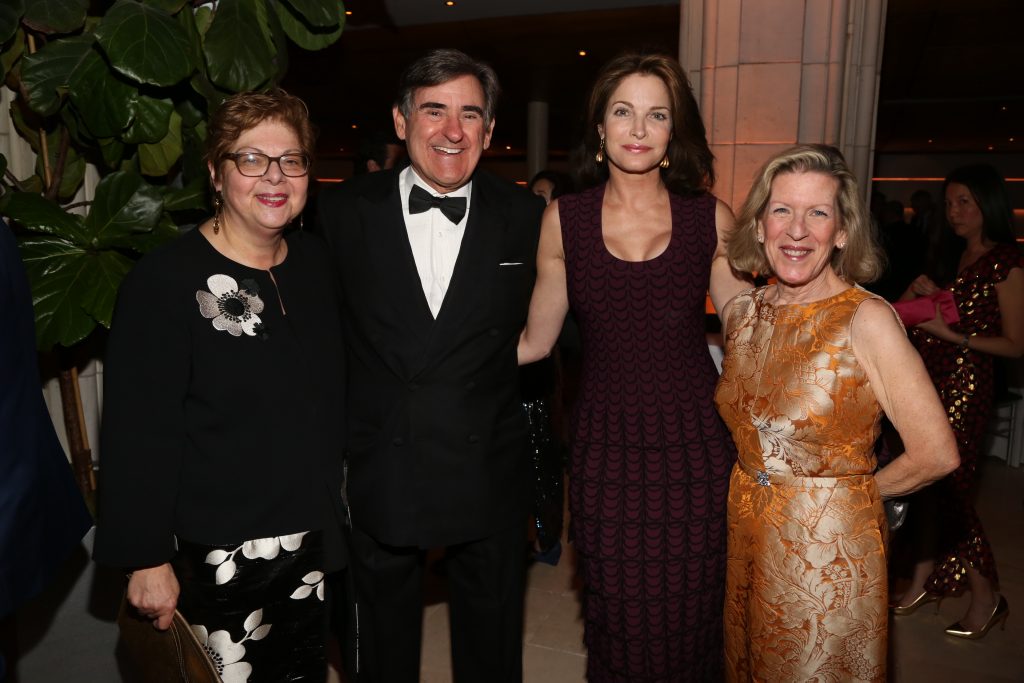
<point x="860" y="259"/>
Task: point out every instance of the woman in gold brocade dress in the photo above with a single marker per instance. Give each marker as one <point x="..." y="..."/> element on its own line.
<point x="811" y="363"/>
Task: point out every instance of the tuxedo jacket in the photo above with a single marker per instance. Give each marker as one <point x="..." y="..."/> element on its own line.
<point x="437" y="435"/>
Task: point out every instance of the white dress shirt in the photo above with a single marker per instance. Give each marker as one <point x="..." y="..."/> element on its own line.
<point x="434" y="239"/>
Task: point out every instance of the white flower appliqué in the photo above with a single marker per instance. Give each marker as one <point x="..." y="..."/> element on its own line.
<point x="232" y="309"/>
<point x="226" y="654"/>
<point x="310" y="582"/>
<point x="264" y="548"/>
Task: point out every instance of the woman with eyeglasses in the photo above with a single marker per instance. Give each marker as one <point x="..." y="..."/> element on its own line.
<point x="223" y="389"/>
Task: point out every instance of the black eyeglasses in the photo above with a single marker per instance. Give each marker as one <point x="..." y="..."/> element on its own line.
<point x="255" y="164"/>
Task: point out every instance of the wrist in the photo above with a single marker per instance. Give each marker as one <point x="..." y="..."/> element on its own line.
<point x="965" y="342"/>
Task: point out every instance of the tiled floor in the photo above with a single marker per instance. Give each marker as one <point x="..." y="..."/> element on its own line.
<point x="553" y="649"/>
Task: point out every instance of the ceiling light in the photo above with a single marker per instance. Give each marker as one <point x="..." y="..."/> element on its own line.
<point x="582" y="53"/>
<point x="450" y="3"/>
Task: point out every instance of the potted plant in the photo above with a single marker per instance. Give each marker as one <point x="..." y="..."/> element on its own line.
<point x="125" y="87"/>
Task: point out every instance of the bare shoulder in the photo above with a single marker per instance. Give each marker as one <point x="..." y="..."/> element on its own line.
<point x="876" y="327"/>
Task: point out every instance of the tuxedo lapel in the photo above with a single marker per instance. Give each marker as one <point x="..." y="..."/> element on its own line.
<point x="386" y="232"/>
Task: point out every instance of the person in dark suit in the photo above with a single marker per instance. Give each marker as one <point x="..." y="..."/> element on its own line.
<point x="42" y="514"/>
<point x="436" y="264"/>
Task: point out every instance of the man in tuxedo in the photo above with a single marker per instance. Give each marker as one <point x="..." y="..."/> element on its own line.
<point x="436" y="264"/>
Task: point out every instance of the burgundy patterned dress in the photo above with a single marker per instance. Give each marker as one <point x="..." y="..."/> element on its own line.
<point x="964" y="381"/>
<point x="650" y="456"/>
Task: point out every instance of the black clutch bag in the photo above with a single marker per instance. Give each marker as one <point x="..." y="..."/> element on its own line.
<point x="171" y="656"/>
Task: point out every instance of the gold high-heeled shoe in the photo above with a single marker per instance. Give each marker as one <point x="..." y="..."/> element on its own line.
<point x="999" y="614"/>
<point x="923" y="599"/>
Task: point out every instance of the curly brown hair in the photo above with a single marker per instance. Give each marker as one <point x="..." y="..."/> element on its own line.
<point x="242" y="111"/>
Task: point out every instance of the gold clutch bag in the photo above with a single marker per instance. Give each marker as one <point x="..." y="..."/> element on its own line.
<point x="170" y="656"/>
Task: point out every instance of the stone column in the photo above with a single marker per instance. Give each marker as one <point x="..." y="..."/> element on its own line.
<point x="536" y="137"/>
<point x="769" y="75"/>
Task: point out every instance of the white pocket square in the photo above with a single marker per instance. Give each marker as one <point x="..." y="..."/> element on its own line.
<point x="511" y="263"/>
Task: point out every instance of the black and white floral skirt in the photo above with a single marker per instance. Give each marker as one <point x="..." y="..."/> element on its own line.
<point x="258" y="606"/>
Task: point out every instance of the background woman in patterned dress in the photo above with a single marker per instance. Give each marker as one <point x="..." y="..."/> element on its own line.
<point x="650" y="457"/>
<point x="987" y="281"/>
<point x="810" y="364"/>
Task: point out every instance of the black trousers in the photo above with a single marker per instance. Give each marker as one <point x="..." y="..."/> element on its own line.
<point x="485" y="580"/>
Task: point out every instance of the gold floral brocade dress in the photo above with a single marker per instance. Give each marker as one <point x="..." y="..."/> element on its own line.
<point x="806" y="594"/>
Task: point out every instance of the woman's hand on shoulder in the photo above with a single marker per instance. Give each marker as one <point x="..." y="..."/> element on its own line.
<point x="725" y="283"/>
<point x="154" y="593"/>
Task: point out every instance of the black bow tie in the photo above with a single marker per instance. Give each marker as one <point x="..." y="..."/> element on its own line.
<point x="453" y="208"/>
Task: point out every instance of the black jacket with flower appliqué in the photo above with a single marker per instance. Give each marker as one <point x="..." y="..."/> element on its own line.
<point x="223" y="403"/>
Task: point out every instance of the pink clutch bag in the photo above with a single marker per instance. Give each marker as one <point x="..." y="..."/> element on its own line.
<point x="922" y="308"/>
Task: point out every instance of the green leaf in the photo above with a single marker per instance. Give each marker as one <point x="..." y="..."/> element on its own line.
<point x="238" y="50"/>
<point x="187" y="22"/>
<point x="36" y="213"/>
<point x="12" y="53"/>
<point x="318" y="13"/>
<point x="72" y="288"/>
<point x="46" y="73"/>
<point x="10" y="17"/>
<point x="192" y="196"/>
<point x="112" y="150"/>
<point x="145" y="44"/>
<point x="169" y="6"/>
<point x="203" y="18"/>
<point x="306" y="36"/>
<point x="190" y="114"/>
<point x="158" y="159"/>
<point x="55" y="16"/>
<point x="103" y="101"/>
<point x="124" y="205"/>
<point x="165" y="231"/>
<point x="152" y="117"/>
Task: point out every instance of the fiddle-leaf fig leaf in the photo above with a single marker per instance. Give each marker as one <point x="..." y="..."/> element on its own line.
<point x="124" y="205"/>
<point x="55" y="16"/>
<point x="169" y="6"/>
<point x="72" y="288"/>
<point x="145" y="44"/>
<point x="304" y="35"/>
<point x="38" y="214"/>
<point x="239" y="52"/>
<point x="46" y="73"/>
<point x="103" y="101"/>
<point x="158" y="158"/>
<point x="10" y="16"/>
<point x="10" y="54"/>
<point x="191" y="197"/>
<point x="152" y="116"/>
<point x="319" y="13"/>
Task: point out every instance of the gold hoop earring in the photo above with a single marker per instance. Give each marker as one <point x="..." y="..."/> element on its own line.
<point x="217" y="204"/>
<point x="599" y="157"/>
<point x="665" y="162"/>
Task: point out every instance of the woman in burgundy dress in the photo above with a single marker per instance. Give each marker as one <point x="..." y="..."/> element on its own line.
<point x="650" y="461"/>
<point x="986" y="276"/>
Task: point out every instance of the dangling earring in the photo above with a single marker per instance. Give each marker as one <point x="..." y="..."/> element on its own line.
<point x="217" y="204"/>
<point x="599" y="157"/>
<point x="302" y="222"/>
<point x="664" y="162"/>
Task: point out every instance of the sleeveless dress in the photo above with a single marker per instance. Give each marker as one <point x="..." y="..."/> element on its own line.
<point x="806" y="595"/>
<point x="650" y="456"/>
<point x="964" y="380"/>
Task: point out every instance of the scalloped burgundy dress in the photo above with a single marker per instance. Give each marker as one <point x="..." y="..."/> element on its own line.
<point x="650" y="455"/>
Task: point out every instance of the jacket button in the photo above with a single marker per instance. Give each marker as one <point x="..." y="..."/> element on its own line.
<point x="398" y="441"/>
<point x="473" y="438"/>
